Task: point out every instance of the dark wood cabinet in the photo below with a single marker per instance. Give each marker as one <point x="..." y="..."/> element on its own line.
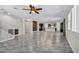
<point x="13" y="31"/>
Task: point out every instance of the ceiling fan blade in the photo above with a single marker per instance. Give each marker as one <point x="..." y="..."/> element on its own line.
<point x="39" y="9"/>
<point x="30" y="6"/>
<point x="36" y="12"/>
<point x="26" y="9"/>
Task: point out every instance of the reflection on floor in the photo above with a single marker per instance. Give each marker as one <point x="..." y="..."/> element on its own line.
<point x="37" y="42"/>
<point x="4" y="36"/>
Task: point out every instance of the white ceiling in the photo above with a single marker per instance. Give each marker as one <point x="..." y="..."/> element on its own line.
<point x="48" y="14"/>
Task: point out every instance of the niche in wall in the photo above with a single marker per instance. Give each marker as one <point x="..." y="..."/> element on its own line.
<point x="49" y="25"/>
<point x="34" y="25"/>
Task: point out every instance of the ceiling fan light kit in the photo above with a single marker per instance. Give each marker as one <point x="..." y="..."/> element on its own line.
<point x="33" y="9"/>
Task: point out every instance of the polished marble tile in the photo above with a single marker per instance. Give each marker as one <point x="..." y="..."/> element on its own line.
<point x="37" y="42"/>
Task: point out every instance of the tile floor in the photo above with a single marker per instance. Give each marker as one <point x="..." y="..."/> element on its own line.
<point x="37" y="42"/>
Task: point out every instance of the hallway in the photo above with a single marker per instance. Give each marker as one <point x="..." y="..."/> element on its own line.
<point x="37" y="42"/>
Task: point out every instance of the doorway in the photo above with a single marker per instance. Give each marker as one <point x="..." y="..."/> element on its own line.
<point x="41" y="27"/>
<point x="34" y="25"/>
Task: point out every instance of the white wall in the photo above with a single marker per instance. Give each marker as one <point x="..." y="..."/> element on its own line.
<point x="73" y="39"/>
<point x="0" y="24"/>
<point x="46" y="26"/>
<point x="71" y="34"/>
<point x="28" y="26"/>
<point x="58" y="26"/>
<point x="69" y="20"/>
<point x="37" y="26"/>
<point x="9" y="22"/>
<point x="0" y="29"/>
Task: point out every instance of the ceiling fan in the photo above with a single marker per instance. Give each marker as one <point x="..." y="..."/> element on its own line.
<point x="33" y="9"/>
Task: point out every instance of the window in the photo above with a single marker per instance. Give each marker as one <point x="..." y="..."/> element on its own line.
<point x="74" y="19"/>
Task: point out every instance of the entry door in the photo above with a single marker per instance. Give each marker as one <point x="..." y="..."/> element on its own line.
<point x="34" y="25"/>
